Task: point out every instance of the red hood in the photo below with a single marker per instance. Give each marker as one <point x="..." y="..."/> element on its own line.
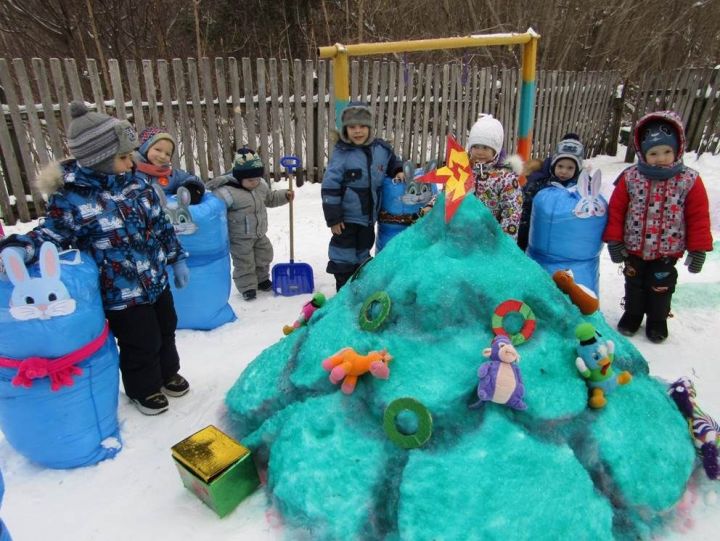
<point x="669" y="116"/>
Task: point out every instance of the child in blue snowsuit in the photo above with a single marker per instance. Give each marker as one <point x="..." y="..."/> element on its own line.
<point x="352" y="189"/>
<point x="153" y="160"/>
<point x="98" y="205"/>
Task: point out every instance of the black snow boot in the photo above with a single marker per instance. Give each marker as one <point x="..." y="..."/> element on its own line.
<point x="341" y="279"/>
<point x="656" y="330"/>
<point x="629" y="323"/>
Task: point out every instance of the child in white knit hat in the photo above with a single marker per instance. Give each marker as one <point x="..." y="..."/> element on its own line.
<point x="496" y="179"/>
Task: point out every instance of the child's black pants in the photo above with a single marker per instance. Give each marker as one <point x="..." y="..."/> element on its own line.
<point x="649" y="286"/>
<point x="146" y="340"/>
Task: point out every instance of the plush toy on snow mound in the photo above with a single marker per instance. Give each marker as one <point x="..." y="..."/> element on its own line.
<point x="58" y="362"/>
<point x="566" y="229"/>
<point x="202" y="230"/>
<point x="594" y="362"/>
<point x="401" y="202"/>
<point x="704" y="430"/>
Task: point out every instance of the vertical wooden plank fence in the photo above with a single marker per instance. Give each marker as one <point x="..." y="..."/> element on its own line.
<point x="213" y="106"/>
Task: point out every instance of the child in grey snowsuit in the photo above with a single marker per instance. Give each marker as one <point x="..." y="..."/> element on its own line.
<point x="247" y="197"/>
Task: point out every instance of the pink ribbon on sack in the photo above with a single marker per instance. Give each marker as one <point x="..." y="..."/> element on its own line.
<point x="60" y="370"/>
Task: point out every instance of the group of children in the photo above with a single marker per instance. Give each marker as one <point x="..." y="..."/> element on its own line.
<point x="658" y="210"/>
<point x="102" y="201"/>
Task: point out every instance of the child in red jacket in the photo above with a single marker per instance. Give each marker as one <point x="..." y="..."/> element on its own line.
<point x="659" y="209"/>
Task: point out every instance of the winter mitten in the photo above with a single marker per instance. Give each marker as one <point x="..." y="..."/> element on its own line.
<point x="695" y="261"/>
<point x="617" y="250"/>
<point x="18" y="250"/>
<point x="182" y="274"/>
<point x="196" y="189"/>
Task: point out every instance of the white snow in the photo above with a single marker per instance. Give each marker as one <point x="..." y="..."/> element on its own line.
<point x="139" y="495"/>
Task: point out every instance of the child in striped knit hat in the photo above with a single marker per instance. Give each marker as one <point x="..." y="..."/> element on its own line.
<point x="98" y="205"/>
<point x="153" y="159"/>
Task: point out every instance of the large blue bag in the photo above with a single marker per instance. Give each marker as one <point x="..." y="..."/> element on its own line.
<point x="59" y="376"/>
<point x="4" y="534"/>
<point x="203" y="233"/>
<point x="566" y="227"/>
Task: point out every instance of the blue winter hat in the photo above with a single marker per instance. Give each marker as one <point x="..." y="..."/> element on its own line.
<point x="570" y="148"/>
<point x="656" y="133"/>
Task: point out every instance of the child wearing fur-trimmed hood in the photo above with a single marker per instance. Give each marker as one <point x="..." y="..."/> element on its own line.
<point x="100" y="206"/>
<point x="496" y="178"/>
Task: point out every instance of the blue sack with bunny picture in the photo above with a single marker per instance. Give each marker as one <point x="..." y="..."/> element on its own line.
<point x="401" y="202"/>
<point x="59" y="378"/>
<point x="566" y="227"/>
<point x="203" y="233"/>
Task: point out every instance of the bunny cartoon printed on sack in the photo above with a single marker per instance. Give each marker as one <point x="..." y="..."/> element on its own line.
<point x="179" y="212"/>
<point x="416" y="193"/>
<point x="591" y="202"/>
<point x="37" y="298"/>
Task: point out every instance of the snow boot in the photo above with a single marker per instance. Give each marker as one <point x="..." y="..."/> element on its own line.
<point x="176" y="386"/>
<point x="656" y="330"/>
<point x="629" y="323"/>
<point x="154" y="404"/>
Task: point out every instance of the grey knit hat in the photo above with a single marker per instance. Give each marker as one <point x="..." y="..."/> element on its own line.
<point x="356" y="114"/>
<point x="95" y="137"/>
<point x="569" y="148"/>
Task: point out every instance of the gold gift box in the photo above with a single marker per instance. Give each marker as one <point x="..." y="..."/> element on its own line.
<point x="216" y="468"/>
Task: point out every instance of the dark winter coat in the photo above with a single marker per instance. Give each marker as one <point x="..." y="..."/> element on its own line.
<point x="118" y="220"/>
<point x="352" y="185"/>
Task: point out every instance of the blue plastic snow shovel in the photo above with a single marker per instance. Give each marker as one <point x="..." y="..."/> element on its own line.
<point x="292" y="278"/>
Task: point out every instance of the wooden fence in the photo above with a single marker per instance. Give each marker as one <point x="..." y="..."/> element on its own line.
<point x="694" y="94"/>
<point x="281" y="108"/>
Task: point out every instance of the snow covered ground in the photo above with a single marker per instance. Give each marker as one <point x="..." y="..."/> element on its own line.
<point x="139" y="495"/>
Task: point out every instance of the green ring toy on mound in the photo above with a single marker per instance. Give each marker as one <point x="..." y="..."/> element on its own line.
<point x="506" y="307"/>
<point x="368" y="323"/>
<point x="424" y="418"/>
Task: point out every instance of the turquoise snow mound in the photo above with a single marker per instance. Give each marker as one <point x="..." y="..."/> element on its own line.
<point x="557" y="470"/>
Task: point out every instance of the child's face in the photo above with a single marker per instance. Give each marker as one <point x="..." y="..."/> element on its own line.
<point x="160" y="153"/>
<point x="660" y="155"/>
<point x="250" y="183"/>
<point x="358" y="134"/>
<point x="564" y="169"/>
<point x="481" y="154"/>
<point x="122" y="163"/>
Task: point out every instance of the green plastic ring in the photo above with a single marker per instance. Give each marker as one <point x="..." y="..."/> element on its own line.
<point x="368" y="324"/>
<point x="424" y="418"/>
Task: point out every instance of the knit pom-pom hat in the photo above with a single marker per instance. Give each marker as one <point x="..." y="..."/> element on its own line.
<point x="94" y="139"/>
<point x="247" y="164"/>
<point x="150" y="136"/>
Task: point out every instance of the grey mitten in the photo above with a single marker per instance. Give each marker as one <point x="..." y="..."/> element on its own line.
<point x="617" y="250"/>
<point x="694" y="261"/>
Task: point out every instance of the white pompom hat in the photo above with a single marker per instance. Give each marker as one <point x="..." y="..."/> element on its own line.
<point x="486" y="131"/>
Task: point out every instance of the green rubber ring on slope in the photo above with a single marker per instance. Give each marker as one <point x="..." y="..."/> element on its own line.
<point x="424" y="430"/>
<point x="372" y="324"/>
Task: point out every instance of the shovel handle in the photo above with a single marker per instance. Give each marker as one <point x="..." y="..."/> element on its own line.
<point x="291" y="163"/>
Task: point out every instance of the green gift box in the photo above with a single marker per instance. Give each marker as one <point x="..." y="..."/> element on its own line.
<point x="216" y="468"/>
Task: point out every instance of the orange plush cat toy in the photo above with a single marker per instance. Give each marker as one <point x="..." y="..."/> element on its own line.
<point x="347" y="365"/>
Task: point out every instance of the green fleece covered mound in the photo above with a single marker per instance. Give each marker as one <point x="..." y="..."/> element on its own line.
<point x="557" y="470"/>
